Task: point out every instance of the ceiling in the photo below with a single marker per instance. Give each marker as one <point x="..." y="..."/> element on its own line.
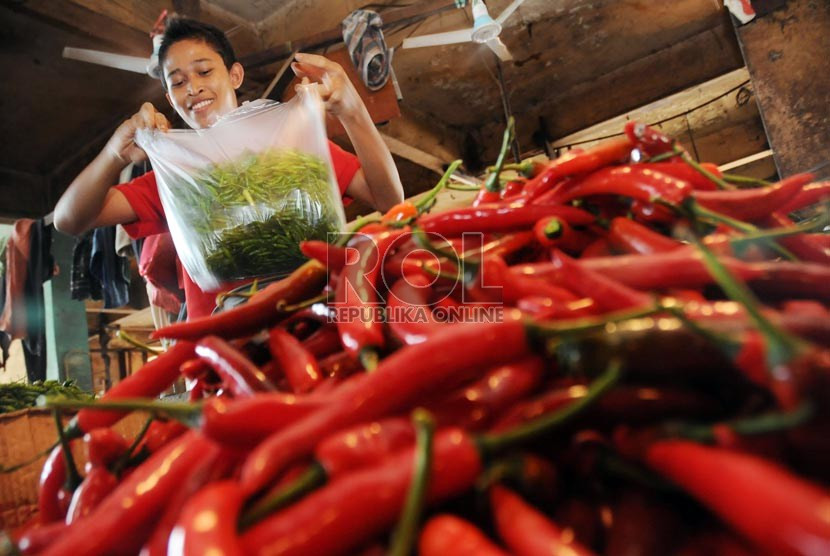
<point x="577" y="63"/>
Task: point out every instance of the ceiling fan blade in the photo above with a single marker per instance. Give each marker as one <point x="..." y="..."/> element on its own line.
<point x="118" y="61"/>
<point x="500" y="49"/>
<point x="450" y="37"/>
<point x="508" y="11"/>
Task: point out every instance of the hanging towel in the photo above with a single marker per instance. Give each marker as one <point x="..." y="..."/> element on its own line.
<point x="363" y="35"/>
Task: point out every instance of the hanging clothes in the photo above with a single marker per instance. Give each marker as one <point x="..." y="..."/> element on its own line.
<point x="111" y="270"/>
<point x="39" y="268"/>
<point x="28" y="264"/>
<point x="81" y="284"/>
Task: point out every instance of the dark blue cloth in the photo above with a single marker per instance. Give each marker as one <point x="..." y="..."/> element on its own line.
<point x="111" y="270"/>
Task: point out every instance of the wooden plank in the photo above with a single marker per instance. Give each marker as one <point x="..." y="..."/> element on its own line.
<point x="281" y="48"/>
<point x="81" y="19"/>
<point x="786" y="53"/>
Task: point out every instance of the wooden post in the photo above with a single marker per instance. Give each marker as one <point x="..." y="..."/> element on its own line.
<point x="787" y="51"/>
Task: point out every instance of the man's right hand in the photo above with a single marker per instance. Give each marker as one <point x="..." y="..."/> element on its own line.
<point x="121" y="146"/>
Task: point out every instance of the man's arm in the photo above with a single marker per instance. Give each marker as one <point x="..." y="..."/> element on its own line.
<point x="378" y="181"/>
<point x="89" y="201"/>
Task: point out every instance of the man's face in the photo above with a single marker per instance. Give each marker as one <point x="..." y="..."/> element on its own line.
<point x="199" y="86"/>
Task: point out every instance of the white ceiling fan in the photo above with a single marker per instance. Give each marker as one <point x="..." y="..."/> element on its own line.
<point x="485" y="30"/>
<point x="149" y="66"/>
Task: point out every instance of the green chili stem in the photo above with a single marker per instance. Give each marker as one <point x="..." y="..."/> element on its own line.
<point x="403" y="538"/>
<point x="495" y="443"/>
<point x="704" y="213"/>
<point x="543" y="331"/>
<point x="782" y="346"/>
<point x="73" y="478"/>
<point x="694" y="164"/>
<point x="356" y="227"/>
<point x="305" y="304"/>
<point x="425" y="203"/>
<point x="493" y="184"/>
<point x="188" y="414"/>
<point x="663" y="156"/>
<point x="122" y="461"/>
<point x="369" y="359"/>
<point x="313" y="477"/>
<point x="137" y="343"/>
<point x="814" y="224"/>
<point x="774" y="421"/>
<point x="523" y="168"/>
<point x="21" y="465"/>
<point x="734" y="178"/>
<point x="462" y="187"/>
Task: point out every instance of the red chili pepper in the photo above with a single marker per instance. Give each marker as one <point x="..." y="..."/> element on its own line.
<point x="496" y="283"/>
<point x="546" y="308"/>
<point x="555" y="232"/>
<point x="485" y="197"/>
<point x="648" y="139"/>
<point x="400" y="380"/>
<point x="298" y="364"/>
<point x="790" y="279"/>
<point x="259" y="312"/>
<point x="609" y="294"/>
<point x="512" y="189"/>
<point x="150" y="380"/>
<point x="332" y="257"/>
<point x="363" y="503"/>
<point x="96" y="486"/>
<point x="194" y="368"/>
<point x="241" y="377"/>
<point x="246" y="422"/>
<point x="323" y="341"/>
<point x="627" y="236"/>
<point x="779" y="512"/>
<point x="103" y="447"/>
<point x="681" y="268"/>
<point x="159" y="434"/>
<point x="526" y="531"/>
<point x="752" y="204"/>
<point x="408" y="314"/>
<point x="498" y="218"/>
<point x="52" y="506"/>
<point x="809" y="195"/>
<point x="123" y="517"/>
<point x="635" y="182"/>
<point x="446" y="534"/>
<point x="802" y="246"/>
<point x="651" y="213"/>
<point x="216" y="466"/>
<point x="608" y="152"/>
<point x="598" y="248"/>
<point x="338" y="366"/>
<point x="357" y="298"/>
<point x="35" y="539"/>
<point x="207" y="524"/>
<point x="687" y="173"/>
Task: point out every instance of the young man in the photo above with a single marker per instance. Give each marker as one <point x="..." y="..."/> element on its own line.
<point x="200" y="75"/>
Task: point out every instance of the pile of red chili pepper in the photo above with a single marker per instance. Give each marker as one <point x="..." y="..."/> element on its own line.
<point x="620" y="351"/>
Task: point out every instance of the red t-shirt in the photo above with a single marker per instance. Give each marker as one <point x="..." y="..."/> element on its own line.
<point x="143" y="196"/>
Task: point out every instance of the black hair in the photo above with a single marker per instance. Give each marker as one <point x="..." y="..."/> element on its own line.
<point x="179" y="28"/>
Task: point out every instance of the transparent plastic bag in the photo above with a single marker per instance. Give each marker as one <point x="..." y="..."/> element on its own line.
<point x="241" y="195"/>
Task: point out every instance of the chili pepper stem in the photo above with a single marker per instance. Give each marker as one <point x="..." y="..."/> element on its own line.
<point x="663" y="156"/>
<point x="369" y="358"/>
<point x="696" y="211"/>
<point x="455" y="187"/>
<point x="734" y="178"/>
<point x="490" y="444"/>
<point x="774" y="421"/>
<point x="694" y="164"/>
<point x="543" y="330"/>
<point x="356" y="227"/>
<point x="36" y="457"/>
<point x="189" y="414"/>
<point x="322" y="298"/>
<point x="135" y="342"/>
<point x="313" y="477"/>
<point x="493" y="184"/>
<point x="782" y="346"/>
<point x="73" y="477"/>
<point x="121" y="463"/>
<point x="425" y="203"/>
<point x="403" y="538"/>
